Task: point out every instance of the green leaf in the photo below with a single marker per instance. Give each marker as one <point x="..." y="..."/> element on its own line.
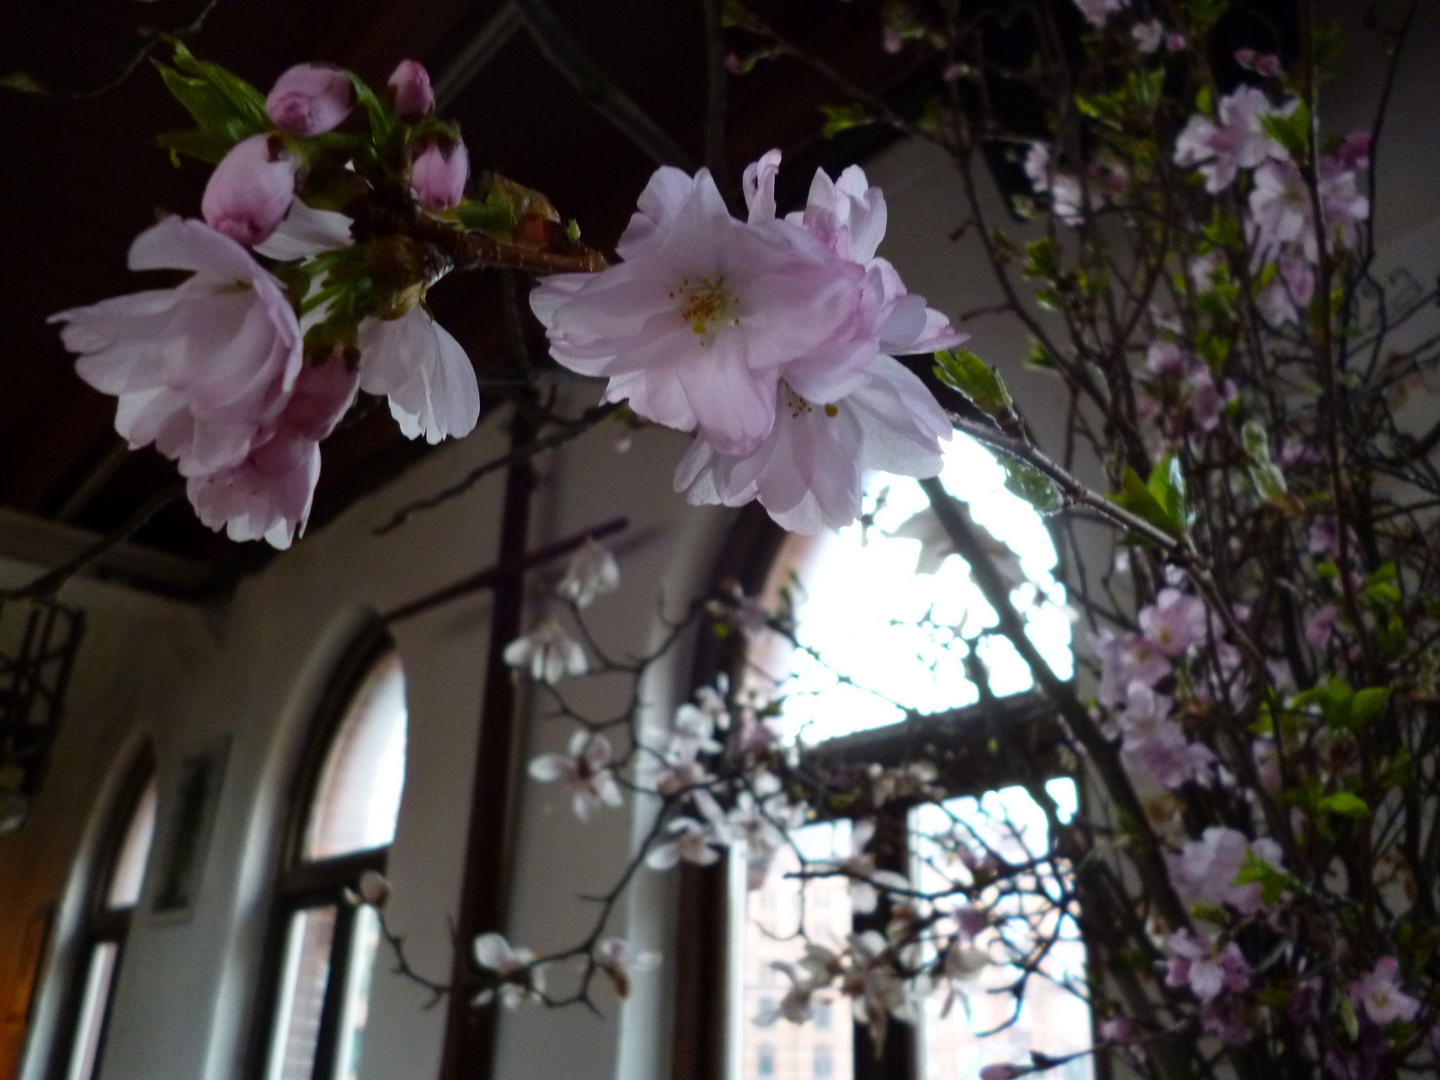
<point x="1268" y="479"/>
<point x="1273" y="882"/>
<point x="1346" y="803"/>
<point x="1292" y="132"/>
<point x="1348" y="1018"/>
<point x="1039" y="357"/>
<point x="1033" y="486"/>
<point x="208" y="146"/>
<point x="1167" y="484"/>
<point x="225" y="108"/>
<point x="1043" y="260"/>
<point x="840" y="118"/>
<point x="382" y="120"/>
<point x="962" y="370"/>
<point x="1205" y="101"/>
<point x="1366" y="705"/>
<point x="24" y="82"/>
<point x="1140" y="499"/>
<point x="1382" y="587"/>
<point x="1206" y="13"/>
<point x="241" y="100"/>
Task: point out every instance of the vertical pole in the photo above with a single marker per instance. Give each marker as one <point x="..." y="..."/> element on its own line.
<point x="470" y="1033"/>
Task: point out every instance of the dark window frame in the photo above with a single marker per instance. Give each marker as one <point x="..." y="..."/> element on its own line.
<point x="301" y="884"/>
<point x="102" y="924"/>
<point x="702" y="997"/>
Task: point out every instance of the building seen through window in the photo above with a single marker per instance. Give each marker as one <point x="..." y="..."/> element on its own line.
<point x="112" y="904"/>
<point x="890" y="625"/>
<point x="321" y="983"/>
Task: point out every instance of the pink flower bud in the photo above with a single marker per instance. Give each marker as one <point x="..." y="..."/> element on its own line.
<point x="250" y="190"/>
<point x="439" y="173"/>
<point x="410" y="90"/>
<point x="310" y="99"/>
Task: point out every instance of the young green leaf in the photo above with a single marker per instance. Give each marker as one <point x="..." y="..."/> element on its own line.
<point x="962" y="370"/>
<point x="1264" y="473"/>
<point x="1033" y="486"/>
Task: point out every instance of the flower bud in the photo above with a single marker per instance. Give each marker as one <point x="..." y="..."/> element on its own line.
<point x="310" y="99"/>
<point x="250" y="190"/>
<point x="410" y="91"/>
<point x="373" y="888"/>
<point x="439" y="173"/>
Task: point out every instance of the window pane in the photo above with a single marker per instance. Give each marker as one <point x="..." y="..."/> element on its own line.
<point x="91" y="1022"/>
<point x="305" y="975"/>
<point x="766" y="1045"/>
<point x="886" y="603"/>
<point x="364" y="944"/>
<point x="358" y="797"/>
<point x="128" y="872"/>
<point x="1052" y="1018"/>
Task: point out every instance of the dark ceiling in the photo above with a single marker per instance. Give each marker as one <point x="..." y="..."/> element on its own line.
<point x="82" y="177"/>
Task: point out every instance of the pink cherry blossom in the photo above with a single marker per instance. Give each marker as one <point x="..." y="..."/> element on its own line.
<point x="199" y="369"/>
<point x="1320" y="626"/>
<point x="1126" y="659"/>
<point x="1175" y="622"/>
<point x="1293" y="287"/>
<point x="1237" y="142"/>
<point x="310" y="99"/>
<point x="411" y="95"/>
<point x="1167" y="755"/>
<point x="1181" y="396"/>
<point x="586" y="771"/>
<point x="268" y="495"/>
<point x="249" y="192"/>
<point x="1205" y="870"/>
<point x="695" y="324"/>
<point x="1208" y="974"/>
<point x="1227" y="1019"/>
<point x="807" y="472"/>
<point x="439" y="172"/>
<point x="1382" y="997"/>
<point x="425" y="373"/>
<point x="1282" y="209"/>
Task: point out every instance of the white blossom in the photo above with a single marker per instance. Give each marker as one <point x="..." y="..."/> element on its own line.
<point x="549" y="652"/>
<point x="586" y="770"/>
<point x="592" y="572"/>
<point x="514" y="965"/>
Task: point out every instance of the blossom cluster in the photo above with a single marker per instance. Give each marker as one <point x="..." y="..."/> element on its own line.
<point x="773" y="339"/>
<point x="237" y="374"/>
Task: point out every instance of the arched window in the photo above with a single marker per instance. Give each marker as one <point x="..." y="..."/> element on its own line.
<point x="116" y="891"/>
<point x="348" y="798"/>
<point x="891" y="626"/>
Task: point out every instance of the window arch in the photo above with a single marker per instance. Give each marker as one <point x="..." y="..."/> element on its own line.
<point x="113" y="895"/>
<point x="347" y="800"/>
<point x="891" y="627"/>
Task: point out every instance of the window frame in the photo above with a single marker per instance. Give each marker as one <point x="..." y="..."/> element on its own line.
<point x="301" y="884"/>
<point x="699" y="1043"/>
<point x="102" y="924"/>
